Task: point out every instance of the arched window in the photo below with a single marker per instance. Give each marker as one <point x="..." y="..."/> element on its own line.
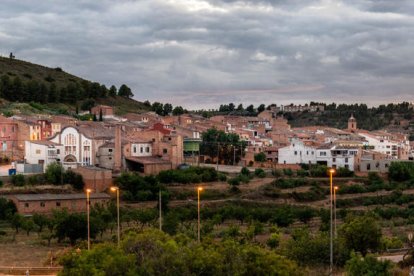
<point x="86" y="156"/>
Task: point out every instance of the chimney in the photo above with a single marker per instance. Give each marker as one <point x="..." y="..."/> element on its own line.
<point x="118" y="149"/>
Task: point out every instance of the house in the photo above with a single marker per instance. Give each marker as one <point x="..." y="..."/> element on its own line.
<point x="10" y="144"/>
<point x="335" y="156"/>
<point x="29" y="204"/>
<point x="107" y="111"/>
<point x="43" y="152"/>
<point x="298" y="152"/>
<point x="95" y="178"/>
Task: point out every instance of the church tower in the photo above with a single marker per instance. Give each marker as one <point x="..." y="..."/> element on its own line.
<point x="352" y="123"/>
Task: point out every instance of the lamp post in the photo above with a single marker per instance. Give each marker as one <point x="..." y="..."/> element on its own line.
<point x="116" y="189"/>
<point x="199" y="189"/>
<point x="88" y="191"/>
<point x="334" y="202"/>
<point x="331" y="172"/>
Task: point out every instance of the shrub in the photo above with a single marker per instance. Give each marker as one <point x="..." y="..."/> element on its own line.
<point x="369" y="265"/>
<point x="302" y="173"/>
<point x="288" y="172"/>
<point x="54" y="173"/>
<point x="318" y="171"/>
<point x="260" y="173"/>
<point x="260" y="157"/>
<point x="277" y="173"/>
<point x="1" y="183"/>
<point x="74" y="179"/>
<point x="18" y="180"/>
<point x="245" y="171"/>
<point x="344" y="172"/>
<point x="222" y="177"/>
<point x="401" y="171"/>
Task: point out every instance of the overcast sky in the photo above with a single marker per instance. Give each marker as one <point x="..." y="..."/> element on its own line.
<point x="200" y="53"/>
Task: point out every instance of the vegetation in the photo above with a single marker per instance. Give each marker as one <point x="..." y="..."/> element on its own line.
<point x="190" y="175"/>
<point x="155" y="253"/>
<point x="225" y="147"/>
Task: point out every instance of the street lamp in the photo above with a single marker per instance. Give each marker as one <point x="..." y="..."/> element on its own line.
<point x="116" y="189"/>
<point x="331" y="172"/>
<point x="334" y="199"/>
<point x="199" y="189"/>
<point x="88" y="191"/>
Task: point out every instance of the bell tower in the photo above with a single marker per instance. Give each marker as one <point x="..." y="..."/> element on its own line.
<point x="352" y="123"/>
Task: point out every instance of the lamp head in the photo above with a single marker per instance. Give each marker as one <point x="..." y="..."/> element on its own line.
<point x="332" y="171"/>
<point x="336" y="188"/>
<point x="88" y="191"/>
<point x="200" y="189"/>
<point x="114" y="188"/>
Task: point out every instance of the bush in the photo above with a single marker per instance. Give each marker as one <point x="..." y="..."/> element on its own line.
<point x="401" y="171"/>
<point x="54" y="173"/>
<point x="277" y="173"/>
<point x="260" y="173"/>
<point x="222" y="177"/>
<point x="369" y="265"/>
<point x="288" y="172"/>
<point x="18" y="180"/>
<point x="245" y="171"/>
<point x="318" y="171"/>
<point x="74" y="179"/>
<point x="344" y="172"/>
<point x="302" y="173"/>
<point x="260" y="157"/>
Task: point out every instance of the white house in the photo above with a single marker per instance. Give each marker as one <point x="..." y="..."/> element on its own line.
<point x="298" y="152"/>
<point x="43" y="152"/>
<point x="336" y="156"/>
<point x="385" y="145"/>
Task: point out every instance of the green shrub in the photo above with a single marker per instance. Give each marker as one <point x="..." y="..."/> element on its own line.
<point x="401" y="171"/>
<point x="1" y="183"/>
<point x="302" y="173"/>
<point x="277" y="173"/>
<point x="368" y="265"/>
<point x="18" y="180"/>
<point x="245" y="171"/>
<point x="318" y="171"/>
<point x="260" y="157"/>
<point x="222" y="177"/>
<point x="288" y="172"/>
<point x="344" y="172"/>
<point x="260" y="173"/>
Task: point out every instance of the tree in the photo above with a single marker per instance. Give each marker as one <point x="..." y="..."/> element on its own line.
<point x="7" y="208"/>
<point x="261" y="108"/>
<point x="157" y="108"/>
<point x="178" y="110"/>
<point x="361" y="234"/>
<point x="112" y="91"/>
<point x="100" y="115"/>
<point x="401" y="171"/>
<point x="240" y="107"/>
<point x="41" y="221"/>
<point x="250" y="109"/>
<point x="54" y="173"/>
<point x="17" y="221"/>
<point x="167" y="109"/>
<point x="368" y="265"/>
<point x="260" y="157"/>
<point x="125" y="91"/>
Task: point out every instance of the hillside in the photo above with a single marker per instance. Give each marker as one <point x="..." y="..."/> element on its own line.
<point x="27" y="88"/>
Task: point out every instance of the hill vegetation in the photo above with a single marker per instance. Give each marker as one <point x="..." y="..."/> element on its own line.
<point x="55" y="91"/>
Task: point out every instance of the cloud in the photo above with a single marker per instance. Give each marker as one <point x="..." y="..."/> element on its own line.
<point x="238" y="51"/>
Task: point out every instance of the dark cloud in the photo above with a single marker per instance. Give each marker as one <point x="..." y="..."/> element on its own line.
<point x="200" y="53"/>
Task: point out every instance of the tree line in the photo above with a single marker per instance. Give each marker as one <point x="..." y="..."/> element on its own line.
<point x="17" y="90"/>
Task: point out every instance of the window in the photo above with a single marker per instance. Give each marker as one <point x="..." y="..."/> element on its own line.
<point x="26" y="205"/>
<point x="165" y="151"/>
<point x="346" y="160"/>
<point x="58" y="151"/>
<point x="57" y="203"/>
<point x="368" y="167"/>
<point x="42" y="204"/>
<point x="109" y="150"/>
<point x="312" y="152"/>
<point x="347" y="166"/>
<point x="141" y="149"/>
<point x="333" y="159"/>
<point x="296" y="153"/>
<point x="147" y="149"/>
<point x="38" y="151"/>
<point x="307" y="152"/>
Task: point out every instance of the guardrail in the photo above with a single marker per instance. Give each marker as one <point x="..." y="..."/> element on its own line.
<point x="15" y="270"/>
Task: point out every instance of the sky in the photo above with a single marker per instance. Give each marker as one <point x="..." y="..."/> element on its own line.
<point x="203" y="53"/>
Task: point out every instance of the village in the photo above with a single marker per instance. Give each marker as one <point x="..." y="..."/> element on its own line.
<point x="148" y="144"/>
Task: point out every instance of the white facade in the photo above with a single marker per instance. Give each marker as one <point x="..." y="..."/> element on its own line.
<point x="77" y="148"/>
<point x="336" y="157"/>
<point x="382" y="145"/>
<point x="297" y="153"/>
<point x="141" y="149"/>
<point x="42" y="153"/>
